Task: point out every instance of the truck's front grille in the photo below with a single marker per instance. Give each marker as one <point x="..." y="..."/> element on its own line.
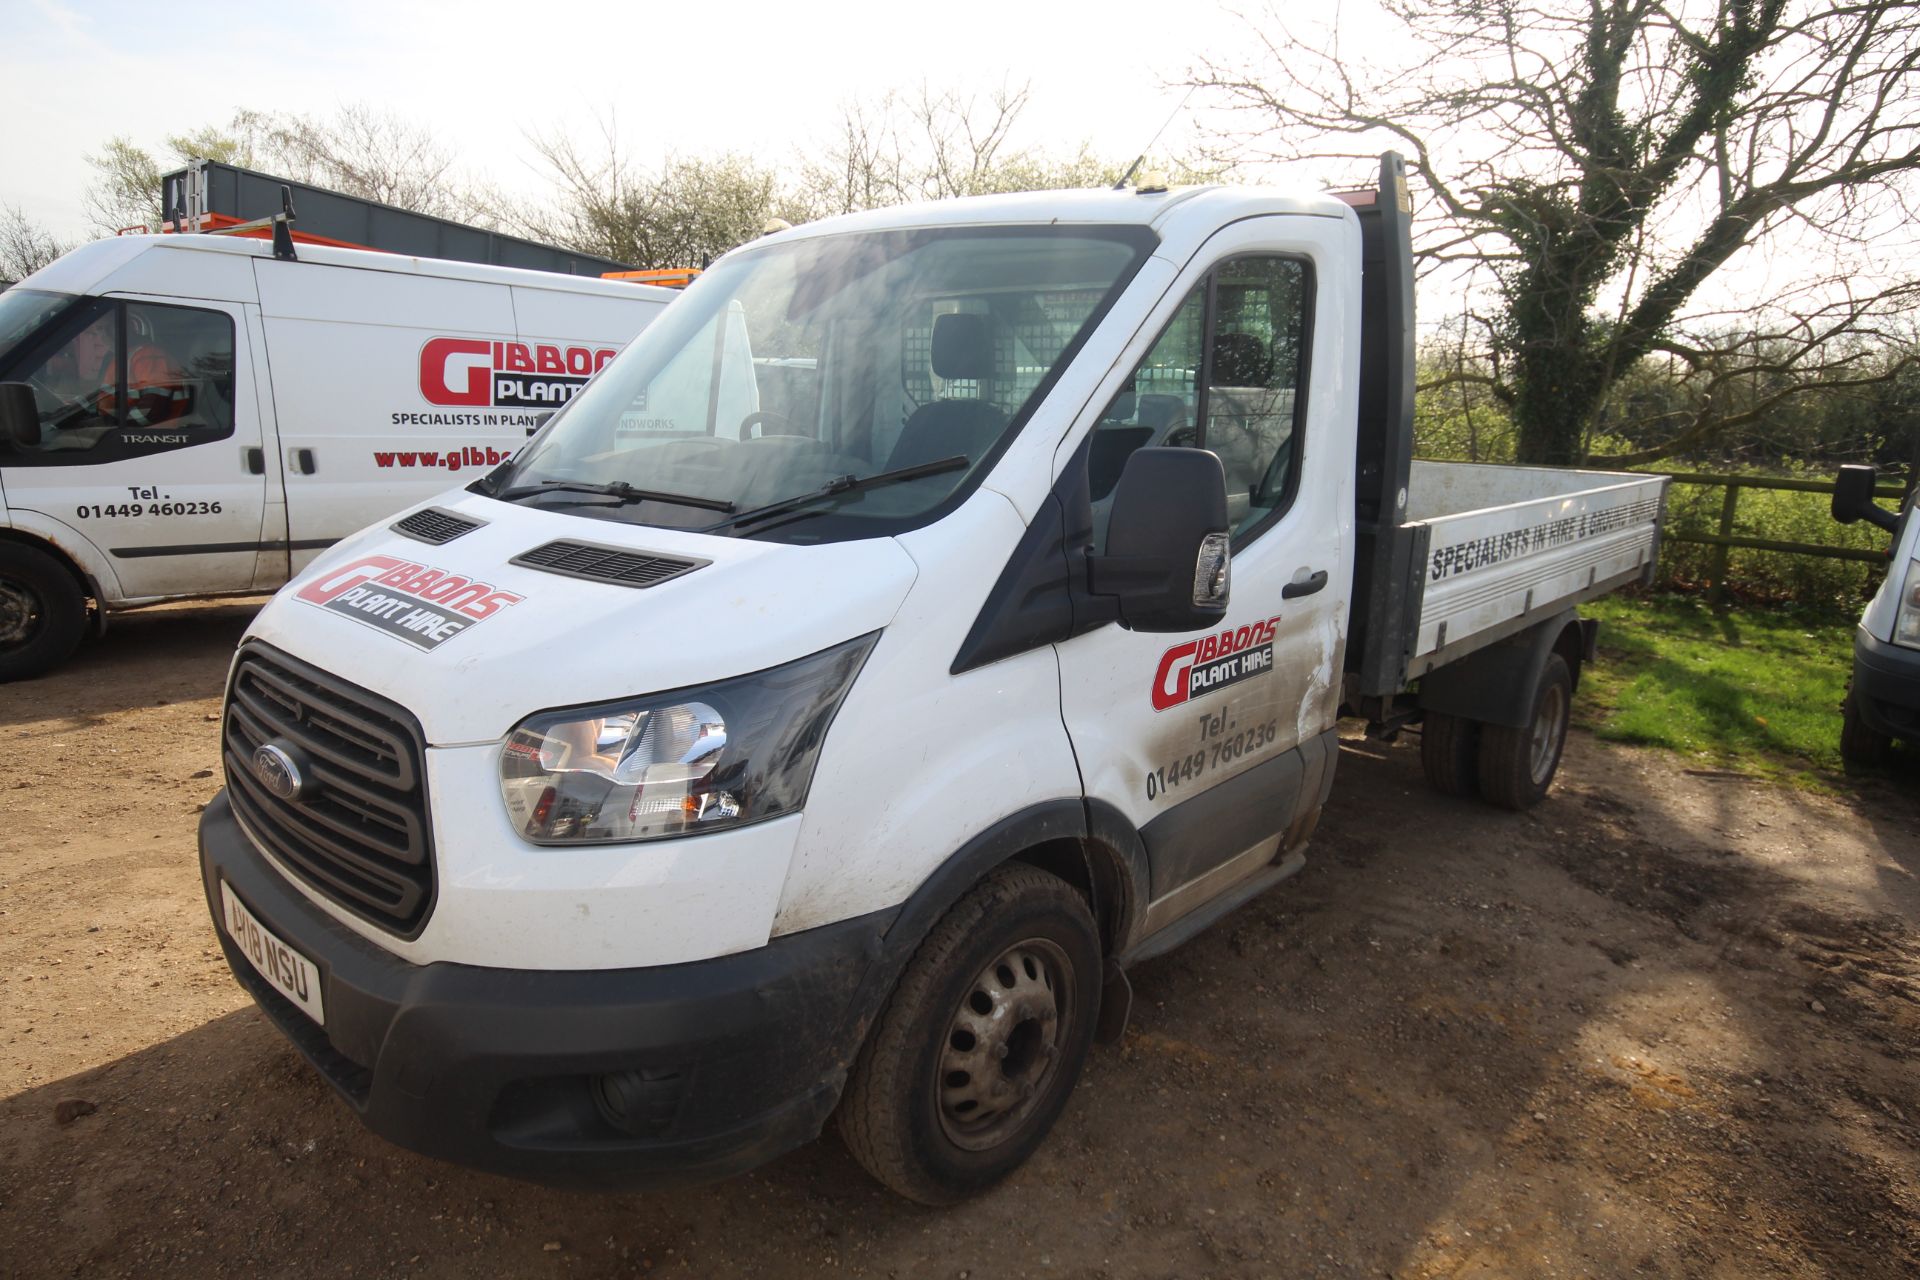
<point x="357" y="831"/>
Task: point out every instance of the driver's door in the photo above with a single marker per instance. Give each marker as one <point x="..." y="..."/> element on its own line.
<point x="1216" y="745"/>
<point x="149" y="444"/>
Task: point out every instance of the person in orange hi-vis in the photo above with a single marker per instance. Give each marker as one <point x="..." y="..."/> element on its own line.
<point x="156" y="386"/>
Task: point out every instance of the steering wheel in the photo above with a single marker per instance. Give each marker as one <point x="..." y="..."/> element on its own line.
<point x="71" y="406"/>
<point x="52" y="392"/>
<point x="762" y="417"/>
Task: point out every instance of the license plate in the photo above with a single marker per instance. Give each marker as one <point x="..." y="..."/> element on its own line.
<point x="286" y="970"/>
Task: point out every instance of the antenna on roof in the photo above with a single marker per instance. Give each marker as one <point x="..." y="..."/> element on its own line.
<point x="1140" y="159"/>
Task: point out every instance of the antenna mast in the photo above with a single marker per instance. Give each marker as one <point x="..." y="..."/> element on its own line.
<point x="1140" y="159"/>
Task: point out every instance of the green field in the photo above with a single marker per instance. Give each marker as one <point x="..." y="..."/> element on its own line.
<point x="1756" y="688"/>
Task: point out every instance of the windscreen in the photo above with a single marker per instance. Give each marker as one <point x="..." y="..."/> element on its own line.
<point x="22" y="311"/>
<point x="856" y="383"/>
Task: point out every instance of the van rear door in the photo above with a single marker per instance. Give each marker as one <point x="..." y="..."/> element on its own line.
<point x="150" y="441"/>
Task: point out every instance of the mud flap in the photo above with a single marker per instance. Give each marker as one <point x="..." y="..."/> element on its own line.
<point x="1116" y="1005"/>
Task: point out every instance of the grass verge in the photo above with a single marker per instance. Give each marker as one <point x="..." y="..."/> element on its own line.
<point x="1755" y="689"/>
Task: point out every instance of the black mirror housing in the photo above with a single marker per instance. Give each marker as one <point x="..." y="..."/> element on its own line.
<point x="1167" y="558"/>
<point x="19" y="416"/>
<point x="1853" y="498"/>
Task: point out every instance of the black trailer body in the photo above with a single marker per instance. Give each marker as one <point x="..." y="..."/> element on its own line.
<point x="226" y="191"/>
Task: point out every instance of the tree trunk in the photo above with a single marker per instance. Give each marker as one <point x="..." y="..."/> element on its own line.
<point x="1556" y="389"/>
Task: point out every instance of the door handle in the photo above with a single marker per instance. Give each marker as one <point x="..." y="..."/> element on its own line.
<point x="302" y="461"/>
<point x="1305" y="586"/>
<point x="255" y="459"/>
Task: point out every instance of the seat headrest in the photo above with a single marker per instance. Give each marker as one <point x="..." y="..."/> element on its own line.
<point x="1240" y="360"/>
<point x="962" y="346"/>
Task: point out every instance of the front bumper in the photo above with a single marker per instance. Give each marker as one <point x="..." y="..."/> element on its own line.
<point x="722" y="1064"/>
<point x="1886" y="686"/>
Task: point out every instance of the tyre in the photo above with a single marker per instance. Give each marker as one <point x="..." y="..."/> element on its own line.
<point x="1859" y="743"/>
<point x="43" y="612"/>
<point x="1517" y="765"/>
<point x="1450" y="753"/>
<point x="982" y="1041"/>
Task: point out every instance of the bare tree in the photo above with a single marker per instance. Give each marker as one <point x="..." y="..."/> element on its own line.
<point x="685" y="215"/>
<point x="126" y="189"/>
<point x="863" y="166"/>
<point x="364" y="152"/>
<point x="904" y="146"/>
<point x="25" y="246"/>
<point x="360" y="150"/>
<point x="962" y="139"/>
<point x="933" y="144"/>
<point x="1594" y="166"/>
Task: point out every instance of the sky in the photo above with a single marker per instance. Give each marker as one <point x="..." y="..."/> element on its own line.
<point x="691" y="78"/>
<point x="686" y="78"/>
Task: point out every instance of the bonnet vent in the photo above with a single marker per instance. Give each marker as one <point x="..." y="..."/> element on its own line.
<point x="435" y="525"/>
<point x="607" y="564"/>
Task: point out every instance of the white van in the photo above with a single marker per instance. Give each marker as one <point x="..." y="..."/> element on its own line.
<point x="193" y="416"/>
<point x="724" y="761"/>
<point x="1883" y="698"/>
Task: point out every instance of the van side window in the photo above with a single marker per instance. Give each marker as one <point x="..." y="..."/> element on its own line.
<point x="1158" y="404"/>
<point x="1259" y="321"/>
<point x="129" y="379"/>
<point x="1225" y="376"/>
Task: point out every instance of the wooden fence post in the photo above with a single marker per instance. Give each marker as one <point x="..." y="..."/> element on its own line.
<point x="1721" y="552"/>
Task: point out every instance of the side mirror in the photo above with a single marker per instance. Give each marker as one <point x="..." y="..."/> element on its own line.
<point x="1167" y="542"/>
<point x="1853" y="498"/>
<point x="19" y="416"/>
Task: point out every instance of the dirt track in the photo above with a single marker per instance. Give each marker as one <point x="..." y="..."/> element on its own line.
<point x="1668" y="1024"/>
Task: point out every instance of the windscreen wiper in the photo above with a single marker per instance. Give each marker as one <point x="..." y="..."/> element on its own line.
<point x="834" y="488"/>
<point x="622" y="492"/>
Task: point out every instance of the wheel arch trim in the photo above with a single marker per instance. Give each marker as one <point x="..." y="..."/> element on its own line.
<point x="1111" y="865"/>
<point x="1496" y="685"/>
<point x="72" y="548"/>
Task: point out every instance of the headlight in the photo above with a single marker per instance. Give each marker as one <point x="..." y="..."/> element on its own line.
<point x="678" y="763"/>
<point x="1906" y="619"/>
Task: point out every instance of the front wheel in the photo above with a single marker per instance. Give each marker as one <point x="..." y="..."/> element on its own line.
<point x="43" y="613"/>
<point x="975" y="1054"/>
<point x="1517" y="764"/>
<point x="1860" y="744"/>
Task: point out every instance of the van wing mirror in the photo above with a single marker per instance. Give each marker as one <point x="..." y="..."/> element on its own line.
<point x="1853" y="498"/>
<point x="19" y="416"/>
<point x="1167" y="558"/>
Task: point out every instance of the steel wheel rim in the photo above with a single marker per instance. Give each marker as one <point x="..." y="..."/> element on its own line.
<point x="1548" y="726"/>
<point x="20" y="614"/>
<point x="1002" y="1045"/>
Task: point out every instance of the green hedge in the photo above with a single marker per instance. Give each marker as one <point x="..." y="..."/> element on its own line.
<point x="1771" y="575"/>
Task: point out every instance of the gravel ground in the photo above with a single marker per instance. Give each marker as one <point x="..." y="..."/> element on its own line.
<point x="1667" y="1024"/>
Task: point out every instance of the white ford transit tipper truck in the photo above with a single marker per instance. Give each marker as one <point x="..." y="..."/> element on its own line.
<point x="1883" y="699"/>
<point x="194" y="415"/>
<point x="712" y="766"/>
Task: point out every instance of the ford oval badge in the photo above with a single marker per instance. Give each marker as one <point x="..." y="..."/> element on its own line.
<point x="277" y="772"/>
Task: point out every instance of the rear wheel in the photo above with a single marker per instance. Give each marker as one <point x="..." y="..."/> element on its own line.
<point x="1517" y="765"/>
<point x="43" y="613"/>
<point x="974" y="1056"/>
<point x="1859" y="743"/>
<point x="1450" y="753"/>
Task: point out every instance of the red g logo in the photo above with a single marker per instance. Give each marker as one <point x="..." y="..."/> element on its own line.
<point x="1170" y="686"/>
<point x="457" y="371"/>
<point x="348" y="576"/>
